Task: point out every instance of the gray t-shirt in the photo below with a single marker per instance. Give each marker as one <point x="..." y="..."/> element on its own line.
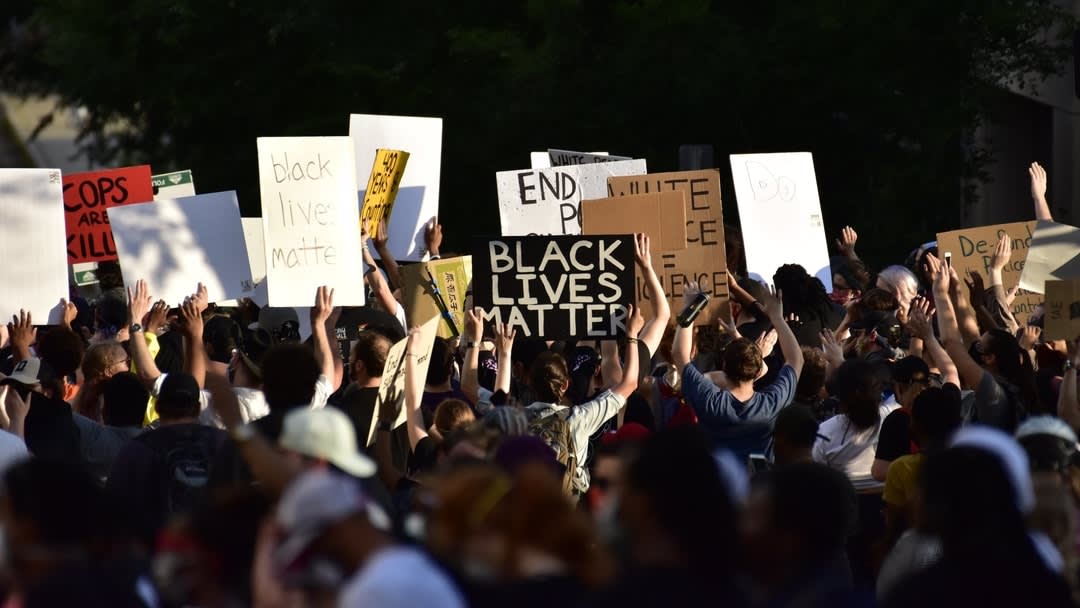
<point x="993" y="404"/>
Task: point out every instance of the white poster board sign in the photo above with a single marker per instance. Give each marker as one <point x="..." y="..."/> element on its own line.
<point x="33" y="244"/>
<point x="563" y="158"/>
<point x="311" y="223"/>
<point x="173" y="185"/>
<point x="253" y="243"/>
<point x="393" y="378"/>
<point x="542" y="160"/>
<point x="175" y="244"/>
<point x="1053" y="255"/>
<point x="417" y="201"/>
<point x="548" y="201"/>
<point x="780" y="213"/>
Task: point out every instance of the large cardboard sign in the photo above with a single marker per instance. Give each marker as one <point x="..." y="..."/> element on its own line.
<point x="704" y="259"/>
<point x="547" y="201"/>
<point x="382" y="188"/>
<point x="417" y="201"/>
<point x="35" y="272"/>
<point x="438" y="288"/>
<point x="780" y="214"/>
<point x="173" y="185"/>
<point x="175" y="244"/>
<point x="556" y="287"/>
<point x="88" y="196"/>
<point x="1062" y="317"/>
<point x="565" y="158"/>
<point x="972" y="249"/>
<point x="311" y="227"/>
<point x="1054" y="255"/>
<point x="393" y="378"/>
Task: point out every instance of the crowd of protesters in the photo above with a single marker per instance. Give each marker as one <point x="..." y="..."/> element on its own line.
<point x="901" y="441"/>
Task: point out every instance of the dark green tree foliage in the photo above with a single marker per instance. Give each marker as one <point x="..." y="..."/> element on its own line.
<point x="885" y="94"/>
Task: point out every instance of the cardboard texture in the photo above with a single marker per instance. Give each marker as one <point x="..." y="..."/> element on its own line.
<point x="973" y="248"/>
<point x="175" y="244"/>
<point x="565" y="158"/>
<point x="393" y="378"/>
<point x="556" y="287"/>
<point x="661" y="215"/>
<point x="173" y="185"/>
<point x="780" y="214"/>
<point x="452" y="276"/>
<point x="704" y="259"/>
<point x="35" y="276"/>
<point x="88" y="196"/>
<point x="417" y="201"/>
<point x="382" y="188"/>
<point x="1054" y="255"/>
<point x="311" y="230"/>
<point x="1062" y="320"/>
<point x="547" y="201"/>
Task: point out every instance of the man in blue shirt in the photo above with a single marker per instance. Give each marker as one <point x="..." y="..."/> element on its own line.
<point x="738" y="417"/>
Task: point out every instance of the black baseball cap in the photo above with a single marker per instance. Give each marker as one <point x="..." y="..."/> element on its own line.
<point x="911" y="369"/>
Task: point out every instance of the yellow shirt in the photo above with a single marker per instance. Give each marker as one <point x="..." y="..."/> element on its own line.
<point x="154" y="348"/>
<point x="901" y="480"/>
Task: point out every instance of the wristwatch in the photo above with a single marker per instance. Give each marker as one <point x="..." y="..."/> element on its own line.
<point x="470" y="344"/>
<point x="242" y="433"/>
<point x="135" y="328"/>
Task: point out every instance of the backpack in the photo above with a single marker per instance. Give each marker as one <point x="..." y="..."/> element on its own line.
<point x="553" y="428"/>
<point x="182" y="458"/>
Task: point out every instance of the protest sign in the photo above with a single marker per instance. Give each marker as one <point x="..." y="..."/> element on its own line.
<point x="547" y="201"/>
<point x="382" y="188"/>
<point x="1054" y="255"/>
<point x="556" y="287"/>
<point x="175" y="244"/>
<point x="703" y="261"/>
<point x="451" y="277"/>
<point x="1062" y="316"/>
<point x="311" y="230"/>
<point x="417" y="201"/>
<point x="972" y="249"/>
<point x="173" y="185"/>
<point x="35" y="273"/>
<point x="565" y="158"/>
<point x="86" y="198"/>
<point x="393" y="378"/>
<point x="255" y="287"/>
<point x="780" y="214"/>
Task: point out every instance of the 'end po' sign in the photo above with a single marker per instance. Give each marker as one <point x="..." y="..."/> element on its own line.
<point x="87" y="196"/>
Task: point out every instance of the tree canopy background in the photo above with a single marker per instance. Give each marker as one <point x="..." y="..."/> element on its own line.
<point x="885" y="94"/>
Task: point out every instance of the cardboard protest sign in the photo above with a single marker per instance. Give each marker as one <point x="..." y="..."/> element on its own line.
<point x="1062" y="317"/>
<point x="87" y="196"/>
<point x="547" y="201"/>
<point x="35" y="272"/>
<point x="417" y="201"/>
<point x="972" y="249"/>
<point x="556" y="287"/>
<point x="393" y="378"/>
<point x="175" y="244"/>
<point x="173" y="185"/>
<point x="451" y="276"/>
<point x="773" y="186"/>
<point x="311" y="230"/>
<point x="1054" y="255"/>
<point x="564" y="158"/>
<point x="704" y="259"/>
<point x="382" y="188"/>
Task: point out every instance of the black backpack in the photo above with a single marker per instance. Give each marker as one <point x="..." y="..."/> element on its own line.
<point x="182" y="457"/>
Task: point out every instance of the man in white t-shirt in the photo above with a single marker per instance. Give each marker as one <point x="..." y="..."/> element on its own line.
<point x="333" y="533"/>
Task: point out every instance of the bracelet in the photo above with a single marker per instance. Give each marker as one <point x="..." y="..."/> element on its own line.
<point x="470" y="344"/>
<point x="632" y="341"/>
<point x="370" y="269"/>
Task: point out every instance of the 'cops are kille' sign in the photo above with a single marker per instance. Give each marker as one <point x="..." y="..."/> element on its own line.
<point x="556" y="287"/>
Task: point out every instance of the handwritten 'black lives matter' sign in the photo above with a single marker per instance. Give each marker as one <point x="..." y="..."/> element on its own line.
<point x="556" y="287"/>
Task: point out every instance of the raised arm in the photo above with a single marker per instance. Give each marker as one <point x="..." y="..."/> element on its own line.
<point x="634" y="323"/>
<point x="504" y="347"/>
<point x="1001" y="310"/>
<point x="655" y="328"/>
<point x="846" y="243"/>
<point x="138" y="305"/>
<point x="919" y="325"/>
<point x="414" y="389"/>
<point x="320" y="314"/>
<point x="433" y="238"/>
<point x="382" y="245"/>
<point x="192" y="328"/>
<point x="789" y="344"/>
<point x="970" y="371"/>
<point x="611" y="370"/>
<point x="470" y="371"/>
<point x="375" y="280"/>
<point x="23" y="335"/>
<point x="1038" y="192"/>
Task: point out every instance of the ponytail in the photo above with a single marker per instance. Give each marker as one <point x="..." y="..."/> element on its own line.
<point x="549" y="378"/>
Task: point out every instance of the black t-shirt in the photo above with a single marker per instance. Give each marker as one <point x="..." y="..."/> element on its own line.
<point x="359" y="405"/>
<point x="894" y="440"/>
<point x="424" y="457"/>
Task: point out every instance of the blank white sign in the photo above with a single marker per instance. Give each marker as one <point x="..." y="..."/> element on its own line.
<point x="33" y="238"/>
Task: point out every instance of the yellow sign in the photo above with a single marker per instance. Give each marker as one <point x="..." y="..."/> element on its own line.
<point x="382" y="188"/>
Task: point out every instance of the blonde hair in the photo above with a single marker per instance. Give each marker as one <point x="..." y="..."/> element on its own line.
<point x="902" y="283"/>
<point x="100" y="357"/>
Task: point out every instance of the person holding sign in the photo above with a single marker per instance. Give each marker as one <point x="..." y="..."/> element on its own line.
<point x="740" y="418"/>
